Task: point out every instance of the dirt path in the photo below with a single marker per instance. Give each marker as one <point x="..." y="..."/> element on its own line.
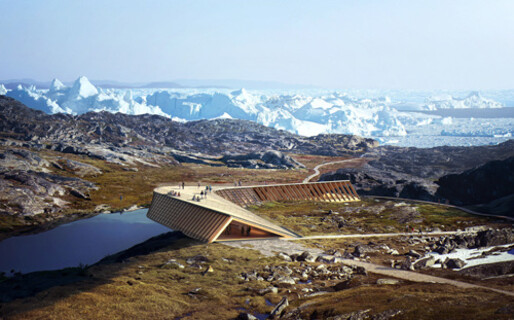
<point x="272" y="247"/>
<point x="378" y="235"/>
<point x="316" y="169"/>
<point x="441" y="204"/>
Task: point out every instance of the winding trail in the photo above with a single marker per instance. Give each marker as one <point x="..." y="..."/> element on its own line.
<point x="316" y="168"/>
<point x="289" y="246"/>
<point x="273" y="246"/>
<point x="317" y="172"/>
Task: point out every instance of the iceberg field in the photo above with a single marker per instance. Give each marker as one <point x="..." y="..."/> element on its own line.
<point x="394" y="117"/>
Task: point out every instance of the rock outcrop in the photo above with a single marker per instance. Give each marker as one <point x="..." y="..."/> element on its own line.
<point x="160" y="135"/>
<point x="270" y="159"/>
<point x="483" y="184"/>
<point x="436" y="174"/>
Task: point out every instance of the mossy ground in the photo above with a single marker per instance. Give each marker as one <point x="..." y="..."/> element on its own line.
<point x="120" y="188"/>
<point x="367" y="216"/>
<point x="139" y="287"/>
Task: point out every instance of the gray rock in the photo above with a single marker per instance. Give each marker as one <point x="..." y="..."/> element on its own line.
<point x="284" y="256"/>
<point x="279" y="308"/>
<point x="406" y="264"/>
<point x="325" y="259"/>
<point x="387" y="281"/>
<point x="306" y="256"/>
<point x="245" y="316"/>
<point x="424" y="263"/>
<point x="454" y="263"/>
<point x="286" y="280"/>
<point x="269" y="289"/>
<point x="413" y="254"/>
<point x="361" y="250"/>
<point x="172" y="264"/>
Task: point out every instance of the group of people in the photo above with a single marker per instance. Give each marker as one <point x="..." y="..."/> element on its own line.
<point x="203" y="193"/>
<point x="174" y="193"/>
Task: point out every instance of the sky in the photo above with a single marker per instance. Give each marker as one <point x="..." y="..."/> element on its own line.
<point x="358" y="44"/>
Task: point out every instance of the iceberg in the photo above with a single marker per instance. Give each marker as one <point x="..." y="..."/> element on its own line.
<point x="473" y="100"/>
<point x="307" y="112"/>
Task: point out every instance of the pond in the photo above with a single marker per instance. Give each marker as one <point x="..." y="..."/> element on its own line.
<point x="80" y="242"/>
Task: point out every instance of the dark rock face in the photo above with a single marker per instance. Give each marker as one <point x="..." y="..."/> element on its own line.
<point x="371" y="181"/>
<point x="436" y="162"/>
<point x="483" y="184"/>
<point x="269" y="160"/>
<point x="411" y="172"/>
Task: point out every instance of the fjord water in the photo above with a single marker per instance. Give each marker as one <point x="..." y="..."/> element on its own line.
<point x="80" y="242"/>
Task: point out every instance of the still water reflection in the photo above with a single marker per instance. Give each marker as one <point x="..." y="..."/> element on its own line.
<point x="83" y="241"/>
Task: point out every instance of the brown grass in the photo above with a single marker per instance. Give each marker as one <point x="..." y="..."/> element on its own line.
<point x="312" y="218"/>
<point x="141" y="288"/>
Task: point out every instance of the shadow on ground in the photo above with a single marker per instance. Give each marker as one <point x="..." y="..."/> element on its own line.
<point x="27" y="285"/>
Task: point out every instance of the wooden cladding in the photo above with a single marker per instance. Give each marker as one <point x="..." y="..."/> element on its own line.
<point x="194" y="221"/>
<point x="330" y="191"/>
<point x="207" y="220"/>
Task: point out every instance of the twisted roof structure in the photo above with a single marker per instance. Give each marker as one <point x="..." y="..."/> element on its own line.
<point x="220" y="215"/>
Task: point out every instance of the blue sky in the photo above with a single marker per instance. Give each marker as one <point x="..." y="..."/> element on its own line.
<point x="335" y="44"/>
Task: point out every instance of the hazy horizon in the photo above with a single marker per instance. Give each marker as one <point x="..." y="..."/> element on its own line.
<point x="458" y="45"/>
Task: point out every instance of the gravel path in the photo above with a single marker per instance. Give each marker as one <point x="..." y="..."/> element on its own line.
<point x="378" y="235"/>
<point x="316" y="169"/>
<point x="272" y="247"/>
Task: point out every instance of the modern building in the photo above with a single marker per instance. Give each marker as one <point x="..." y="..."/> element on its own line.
<point x="220" y="215"/>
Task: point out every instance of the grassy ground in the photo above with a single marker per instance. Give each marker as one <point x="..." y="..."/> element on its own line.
<point x="141" y="288"/>
<point x="136" y="284"/>
<point x="366" y="216"/>
<point x="416" y="301"/>
<point x="120" y="188"/>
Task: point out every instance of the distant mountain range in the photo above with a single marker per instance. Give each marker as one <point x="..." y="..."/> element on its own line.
<point x="179" y="83"/>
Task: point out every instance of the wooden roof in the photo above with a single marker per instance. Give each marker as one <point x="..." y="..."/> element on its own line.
<point x="206" y="219"/>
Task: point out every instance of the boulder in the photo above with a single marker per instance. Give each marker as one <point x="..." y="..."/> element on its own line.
<point x="414" y="254"/>
<point x="284" y="256"/>
<point x="245" y="316"/>
<point x="307" y="257"/>
<point x="279" y="308"/>
<point x="454" y="263"/>
<point x="387" y="281"/>
<point x="425" y="262"/>
<point x="361" y="250"/>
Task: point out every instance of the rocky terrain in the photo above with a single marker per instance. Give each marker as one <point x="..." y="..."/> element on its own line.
<point x="28" y="187"/>
<point x="111" y="134"/>
<point x="483" y="184"/>
<point x="49" y="161"/>
<point x="435" y="174"/>
<point x="246" y="280"/>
